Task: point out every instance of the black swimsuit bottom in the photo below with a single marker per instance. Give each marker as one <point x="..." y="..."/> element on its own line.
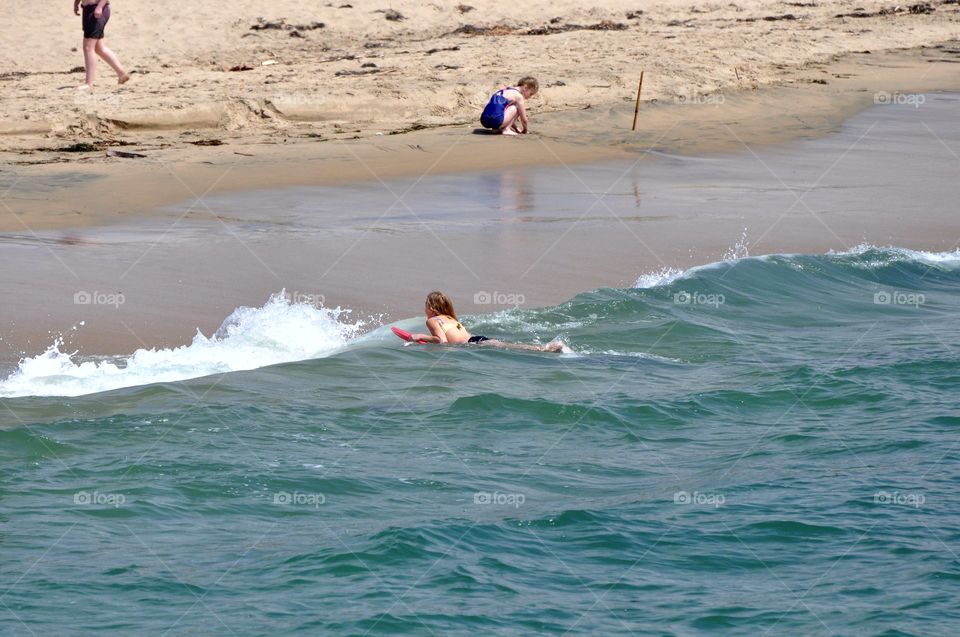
<point x="472" y="339"/>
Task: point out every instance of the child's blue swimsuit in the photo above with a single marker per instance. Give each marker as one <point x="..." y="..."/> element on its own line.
<point x="492" y="116"/>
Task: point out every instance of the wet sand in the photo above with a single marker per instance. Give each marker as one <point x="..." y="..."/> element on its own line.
<point x="95" y="190"/>
<point x="536" y="235"/>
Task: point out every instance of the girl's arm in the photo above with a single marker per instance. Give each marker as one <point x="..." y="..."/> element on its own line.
<point x="522" y="114"/>
<point x="99" y="10"/>
<point x="76" y="7"/>
<point x="437" y="334"/>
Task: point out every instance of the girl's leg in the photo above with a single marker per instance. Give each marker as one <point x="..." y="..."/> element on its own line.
<point x="89" y="61"/>
<point x="509" y="117"/>
<point x="556" y="345"/>
<point x="111" y="58"/>
<point x="506" y="345"/>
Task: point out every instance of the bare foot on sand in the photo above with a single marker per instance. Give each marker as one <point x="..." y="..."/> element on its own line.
<point x="509" y="131"/>
<point x="123" y="79"/>
<point x="84" y="87"/>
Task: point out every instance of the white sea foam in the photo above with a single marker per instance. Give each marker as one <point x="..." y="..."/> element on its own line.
<point x="667" y="275"/>
<point x="891" y="254"/>
<point x="739" y="250"/>
<point x="249" y="338"/>
<point x="885" y="256"/>
<point x="644" y="355"/>
<point x="664" y="276"/>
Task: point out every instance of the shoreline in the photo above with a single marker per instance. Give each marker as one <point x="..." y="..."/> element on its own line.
<point x="71" y="220"/>
<point x="69" y="190"/>
<point x="540" y="234"/>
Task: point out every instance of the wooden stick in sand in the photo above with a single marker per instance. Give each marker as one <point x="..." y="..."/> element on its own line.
<point x="636" y="109"/>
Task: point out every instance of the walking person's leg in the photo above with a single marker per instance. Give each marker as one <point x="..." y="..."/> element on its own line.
<point x="95" y="21"/>
<point x="89" y="62"/>
<point x="111" y="58"/>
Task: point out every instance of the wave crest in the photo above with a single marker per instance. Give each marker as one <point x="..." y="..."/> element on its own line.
<point x="277" y="332"/>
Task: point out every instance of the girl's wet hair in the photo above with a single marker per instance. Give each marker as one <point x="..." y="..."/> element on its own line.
<point x="441" y="304"/>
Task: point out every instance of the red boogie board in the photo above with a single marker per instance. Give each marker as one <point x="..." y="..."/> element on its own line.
<point x="404" y="334"/>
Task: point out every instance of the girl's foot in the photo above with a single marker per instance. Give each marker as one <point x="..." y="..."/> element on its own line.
<point x="84" y="87"/>
<point x="556" y="345"/>
<point x="509" y="131"/>
<point x="123" y="79"/>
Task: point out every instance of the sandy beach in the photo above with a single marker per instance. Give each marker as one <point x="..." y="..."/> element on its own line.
<point x="312" y="74"/>
<point x="338" y="70"/>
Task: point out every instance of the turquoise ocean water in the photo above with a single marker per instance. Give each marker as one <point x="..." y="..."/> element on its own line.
<point x="764" y="445"/>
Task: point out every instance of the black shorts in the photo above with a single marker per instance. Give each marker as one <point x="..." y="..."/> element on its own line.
<point x="478" y="339"/>
<point x="93" y="27"/>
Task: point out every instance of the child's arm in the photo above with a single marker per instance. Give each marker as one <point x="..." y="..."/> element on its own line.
<point x="437" y="334"/>
<point x="99" y="10"/>
<point x="76" y="7"/>
<point x="522" y="114"/>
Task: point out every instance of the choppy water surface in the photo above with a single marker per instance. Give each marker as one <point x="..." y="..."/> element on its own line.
<point x="758" y="446"/>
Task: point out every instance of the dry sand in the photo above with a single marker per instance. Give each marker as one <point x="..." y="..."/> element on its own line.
<point x="361" y="73"/>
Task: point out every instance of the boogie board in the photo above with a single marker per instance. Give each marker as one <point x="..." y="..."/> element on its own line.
<point x="404" y="334"/>
<point x="407" y="336"/>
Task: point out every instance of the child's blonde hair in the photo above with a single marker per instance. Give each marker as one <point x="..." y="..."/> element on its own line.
<point x="440" y="303"/>
<point x="529" y="82"/>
